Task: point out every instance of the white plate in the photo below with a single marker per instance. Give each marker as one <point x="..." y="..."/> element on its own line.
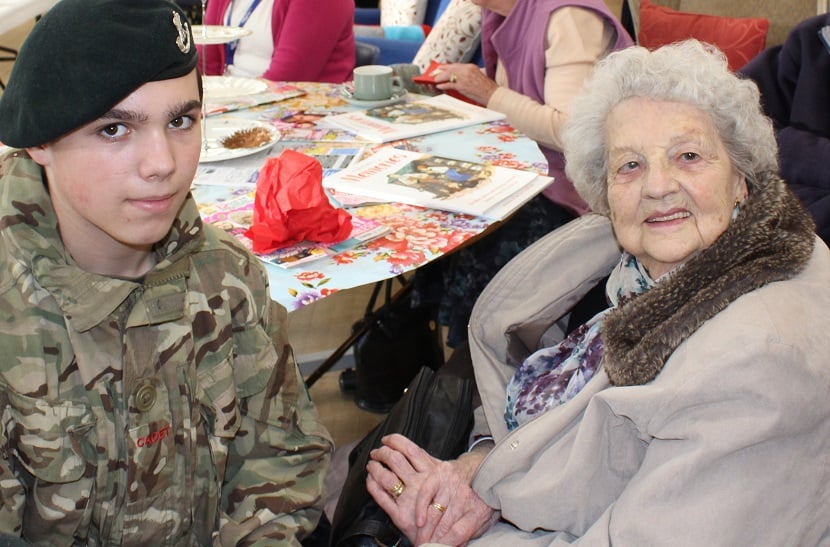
<point x="397" y="96"/>
<point x="217" y="34"/>
<point x="227" y="87"/>
<point x="220" y="128"/>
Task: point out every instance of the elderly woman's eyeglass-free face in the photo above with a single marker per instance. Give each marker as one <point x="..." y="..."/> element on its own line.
<point x="671" y="184"/>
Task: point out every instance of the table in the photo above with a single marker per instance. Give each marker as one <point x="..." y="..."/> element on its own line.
<point x="418" y="235"/>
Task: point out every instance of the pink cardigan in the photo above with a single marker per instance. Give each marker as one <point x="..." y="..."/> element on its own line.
<point x="313" y="40"/>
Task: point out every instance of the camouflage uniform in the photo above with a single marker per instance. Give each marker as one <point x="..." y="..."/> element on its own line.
<point x="164" y="411"/>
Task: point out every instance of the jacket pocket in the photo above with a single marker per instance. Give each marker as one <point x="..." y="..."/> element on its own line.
<point x="217" y="395"/>
<point x="51" y="440"/>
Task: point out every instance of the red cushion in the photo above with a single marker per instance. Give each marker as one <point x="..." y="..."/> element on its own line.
<point x="740" y="39"/>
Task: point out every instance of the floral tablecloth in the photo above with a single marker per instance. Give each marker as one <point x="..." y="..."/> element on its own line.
<point x="417" y="235"/>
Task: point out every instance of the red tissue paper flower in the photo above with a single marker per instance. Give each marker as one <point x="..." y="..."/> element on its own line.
<point x="291" y="205"/>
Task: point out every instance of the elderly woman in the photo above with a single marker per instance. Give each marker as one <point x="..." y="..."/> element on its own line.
<point x="695" y="409"/>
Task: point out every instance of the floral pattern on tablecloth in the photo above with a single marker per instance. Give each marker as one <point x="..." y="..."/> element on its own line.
<point x="418" y="235"/>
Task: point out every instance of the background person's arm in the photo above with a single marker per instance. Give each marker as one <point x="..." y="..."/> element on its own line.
<point x="577" y="39"/>
<point x="212" y="57"/>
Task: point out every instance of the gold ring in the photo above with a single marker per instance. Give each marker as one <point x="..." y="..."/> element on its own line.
<point x="453" y="78"/>
<point x="397" y="490"/>
<point x="438" y="506"/>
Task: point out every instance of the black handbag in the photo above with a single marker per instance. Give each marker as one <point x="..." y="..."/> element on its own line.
<point x="398" y="341"/>
<point x="436" y="413"/>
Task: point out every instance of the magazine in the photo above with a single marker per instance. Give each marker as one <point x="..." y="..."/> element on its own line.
<point x="236" y="214"/>
<point x="300" y="124"/>
<point x="412" y="119"/>
<point x="333" y="156"/>
<point x="363" y="230"/>
<point x="431" y="181"/>
<point x="277" y="91"/>
<point x="296" y="255"/>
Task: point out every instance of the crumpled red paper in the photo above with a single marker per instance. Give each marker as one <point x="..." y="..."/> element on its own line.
<point x="291" y="205"/>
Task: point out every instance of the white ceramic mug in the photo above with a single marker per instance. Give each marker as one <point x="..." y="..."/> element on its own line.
<point x="375" y="83"/>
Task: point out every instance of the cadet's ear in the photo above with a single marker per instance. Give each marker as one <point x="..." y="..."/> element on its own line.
<point x="40" y="154"/>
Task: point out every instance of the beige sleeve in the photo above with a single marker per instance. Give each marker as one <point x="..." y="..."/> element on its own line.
<point x="576" y="39"/>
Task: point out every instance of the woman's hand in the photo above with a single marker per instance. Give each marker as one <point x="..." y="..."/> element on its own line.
<point x="467" y="79"/>
<point x="436" y="503"/>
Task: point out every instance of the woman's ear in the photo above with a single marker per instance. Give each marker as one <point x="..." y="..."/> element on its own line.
<point x="741" y="187"/>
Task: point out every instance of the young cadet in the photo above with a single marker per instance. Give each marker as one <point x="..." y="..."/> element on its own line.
<point x="148" y="394"/>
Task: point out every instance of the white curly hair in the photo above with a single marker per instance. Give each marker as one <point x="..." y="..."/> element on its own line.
<point x="687" y="72"/>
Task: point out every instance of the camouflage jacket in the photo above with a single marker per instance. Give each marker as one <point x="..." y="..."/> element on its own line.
<point x="167" y="411"/>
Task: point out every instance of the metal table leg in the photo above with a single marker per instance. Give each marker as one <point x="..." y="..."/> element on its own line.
<point x="338" y="352"/>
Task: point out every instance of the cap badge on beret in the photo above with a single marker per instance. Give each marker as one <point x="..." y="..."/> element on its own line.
<point x="183" y="40"/>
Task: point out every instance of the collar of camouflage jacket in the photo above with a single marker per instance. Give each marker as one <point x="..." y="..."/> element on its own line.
<point x="29" y="227"/>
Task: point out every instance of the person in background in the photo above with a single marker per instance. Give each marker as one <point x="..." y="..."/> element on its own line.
<point x="694" y="407"/>
<point x="537" y="54"/>
<point x="148" y="392"/>
<point x="290" y="40"/>
<point x="794" y="78"/>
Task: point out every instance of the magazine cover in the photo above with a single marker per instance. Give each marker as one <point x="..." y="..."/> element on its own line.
<point x="236" y="215"/>
<point x="363" y="230"/>
<point x="439" y="183"/>
<point x="333" y="156"/>
<point x="276" y="91"/>
<point x="306" y="125"/>
<point x="412" y="119"/>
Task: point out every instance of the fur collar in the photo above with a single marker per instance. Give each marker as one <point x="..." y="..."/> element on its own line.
<point x="771" y="239"/>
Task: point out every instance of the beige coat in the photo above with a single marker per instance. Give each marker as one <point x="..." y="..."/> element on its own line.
<point x="729" y="444"/>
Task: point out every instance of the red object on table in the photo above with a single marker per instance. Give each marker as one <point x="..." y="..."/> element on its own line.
<point x="291" y="206"/>
<point x="428" y="78"/>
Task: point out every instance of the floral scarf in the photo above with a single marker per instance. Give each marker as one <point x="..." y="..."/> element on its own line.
<point x="552" y="376"/>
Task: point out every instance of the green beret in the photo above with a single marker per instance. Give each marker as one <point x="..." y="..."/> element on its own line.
<point x="85" y="56"/>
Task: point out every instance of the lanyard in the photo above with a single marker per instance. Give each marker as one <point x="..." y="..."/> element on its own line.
<point x="230" y="48"/>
